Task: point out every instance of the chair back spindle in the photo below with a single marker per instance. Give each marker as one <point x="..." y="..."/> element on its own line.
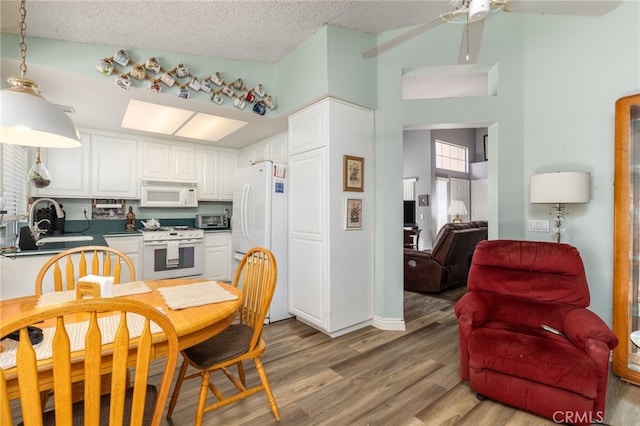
<point x="81" y="261"/>
<point x="128" y="328"/>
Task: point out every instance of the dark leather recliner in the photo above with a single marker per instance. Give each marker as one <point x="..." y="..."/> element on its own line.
<point x="514" y="289"/>
<point x="447" y="264"/>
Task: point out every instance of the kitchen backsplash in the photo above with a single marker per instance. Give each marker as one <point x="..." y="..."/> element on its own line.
<point x="74" y="208"/>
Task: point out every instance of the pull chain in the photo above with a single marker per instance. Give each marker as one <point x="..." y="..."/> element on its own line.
<point x="466" y="28"/>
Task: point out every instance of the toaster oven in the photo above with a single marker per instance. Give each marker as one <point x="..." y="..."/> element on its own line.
<point x="212" y="221"/>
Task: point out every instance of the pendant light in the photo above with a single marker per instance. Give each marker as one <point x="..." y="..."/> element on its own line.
<point x="27" y="118"/>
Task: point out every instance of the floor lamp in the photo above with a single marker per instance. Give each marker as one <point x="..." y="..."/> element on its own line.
<point x="559" y="188"/>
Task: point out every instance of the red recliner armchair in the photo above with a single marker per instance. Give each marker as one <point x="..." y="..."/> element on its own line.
<point x="514" y="289"/>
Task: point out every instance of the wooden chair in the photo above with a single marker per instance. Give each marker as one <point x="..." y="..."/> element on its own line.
<point x="139" y="404"/>
<point x="94" y="260"/>
<point x="256" y="276"/>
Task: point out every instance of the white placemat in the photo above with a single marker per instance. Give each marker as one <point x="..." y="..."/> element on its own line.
<point x="55" y="298"/>
<point x="76" y="331"/>
<point x="127" y="289"/>
<point x="198" y="294"/>
<point x="119" y="290"/>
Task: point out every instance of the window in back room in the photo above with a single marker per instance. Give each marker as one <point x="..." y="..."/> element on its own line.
<point x="451" y="157"/>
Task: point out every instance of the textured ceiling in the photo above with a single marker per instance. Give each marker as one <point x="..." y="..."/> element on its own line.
<point x="258" y="31"/>
<point x="261" y="31"/>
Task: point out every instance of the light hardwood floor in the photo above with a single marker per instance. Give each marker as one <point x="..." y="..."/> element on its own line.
<point x="373" y="377"/>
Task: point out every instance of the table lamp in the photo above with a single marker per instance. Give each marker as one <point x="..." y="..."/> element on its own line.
<point x="559" y="188"/>
<point x="457" y="208"/>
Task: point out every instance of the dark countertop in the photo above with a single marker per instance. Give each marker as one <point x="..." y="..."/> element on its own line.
<point x="98" y="233"/>
<point x="57" y="247"/>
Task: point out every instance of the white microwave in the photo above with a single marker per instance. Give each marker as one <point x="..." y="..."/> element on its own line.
<point x="168" y="194"/>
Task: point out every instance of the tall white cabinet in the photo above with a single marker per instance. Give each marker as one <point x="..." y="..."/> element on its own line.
<point x="330" y="267"/>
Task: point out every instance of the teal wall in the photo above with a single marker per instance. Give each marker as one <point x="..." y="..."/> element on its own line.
<point x="351" y="77"/>
<point x="82" y="58"/>
<point x="302" y="75"/>
<point x="557" y="76"/>
<point x="329" y="63"/>
<point x="575" y="69"/>
<point x="558" y="79"/>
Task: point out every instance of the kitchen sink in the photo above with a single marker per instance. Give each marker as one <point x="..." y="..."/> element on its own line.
<point x="63" y="239"/>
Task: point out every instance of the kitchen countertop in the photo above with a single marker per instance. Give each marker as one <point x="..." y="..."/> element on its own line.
<point x="57" y="247"/>
<point x="98" y="240"/>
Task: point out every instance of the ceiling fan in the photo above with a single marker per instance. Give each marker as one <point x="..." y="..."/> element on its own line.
<point x="470" y="13"/>
<point x="473" y="13"/>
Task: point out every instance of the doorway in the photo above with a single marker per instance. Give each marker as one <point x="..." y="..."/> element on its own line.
<point x="433" y="184"/>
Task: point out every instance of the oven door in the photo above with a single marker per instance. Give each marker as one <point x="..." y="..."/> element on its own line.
<point x="173" y="259"/>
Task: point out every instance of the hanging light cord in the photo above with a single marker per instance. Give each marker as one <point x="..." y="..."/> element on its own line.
<point x="23" y="44"/>
<point x="466" y="28"/>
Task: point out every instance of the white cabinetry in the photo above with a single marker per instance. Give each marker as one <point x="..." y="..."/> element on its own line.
<point x="167" y="162"/>
<point x="228" y="163"/>
<point x="330" y="268"/>
<point x="104" y="166"/>
<point x="274" y="148"/>
<point x="215" y="174"/>
<point x="69" y="169"/>
<point x="154" y="160"/>
<point x="114" y="167"/>
<point x="207" y="168"/>
<point x="18" y="275"/>
<point x="132" y="247"/>
<point x="217" y="252"/>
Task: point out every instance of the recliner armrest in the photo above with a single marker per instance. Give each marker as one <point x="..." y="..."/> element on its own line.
<point x="471" y="311"/>
<point x="473" y="307"/>
<point x="422" y="254"/>
<point x="581" y="324"/>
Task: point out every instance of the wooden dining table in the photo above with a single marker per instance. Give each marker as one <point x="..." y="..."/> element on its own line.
<point x="193" y="324"/>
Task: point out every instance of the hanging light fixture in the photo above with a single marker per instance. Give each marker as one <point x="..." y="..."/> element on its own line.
<point x="27" y="118"/>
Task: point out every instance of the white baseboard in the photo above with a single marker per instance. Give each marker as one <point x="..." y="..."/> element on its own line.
<point x="388" y="324"/>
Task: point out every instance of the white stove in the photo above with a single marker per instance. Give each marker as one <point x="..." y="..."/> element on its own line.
<point x="168" y="233"/>
<point x="173" y="252"/>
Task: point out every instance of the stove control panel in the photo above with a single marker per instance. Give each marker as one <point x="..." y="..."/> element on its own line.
<point x="169" y="234"/>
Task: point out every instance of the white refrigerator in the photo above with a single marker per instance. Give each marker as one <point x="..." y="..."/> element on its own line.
<point x="260" y="219"/>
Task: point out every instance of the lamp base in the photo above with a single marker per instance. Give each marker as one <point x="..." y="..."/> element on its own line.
<point x="456" y="219"/>
<point x="558" y="228"/>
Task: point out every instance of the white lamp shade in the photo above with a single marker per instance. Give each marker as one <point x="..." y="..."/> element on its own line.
<point x="559" y="188"/>
<point x="28" y="119"/>
<point x="457" y="207"/>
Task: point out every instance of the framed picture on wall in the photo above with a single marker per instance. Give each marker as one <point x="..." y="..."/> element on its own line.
<point x="486" y="147"/>
<point x="353" y="213"/>
<point x="353" y="174"/>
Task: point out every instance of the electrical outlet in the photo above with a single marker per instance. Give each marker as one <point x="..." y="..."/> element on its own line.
<point x="84" y="211"/>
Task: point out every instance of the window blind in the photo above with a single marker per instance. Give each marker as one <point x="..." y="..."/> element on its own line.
<point x="14" y="180"/>
<point x="409" y="191"/>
